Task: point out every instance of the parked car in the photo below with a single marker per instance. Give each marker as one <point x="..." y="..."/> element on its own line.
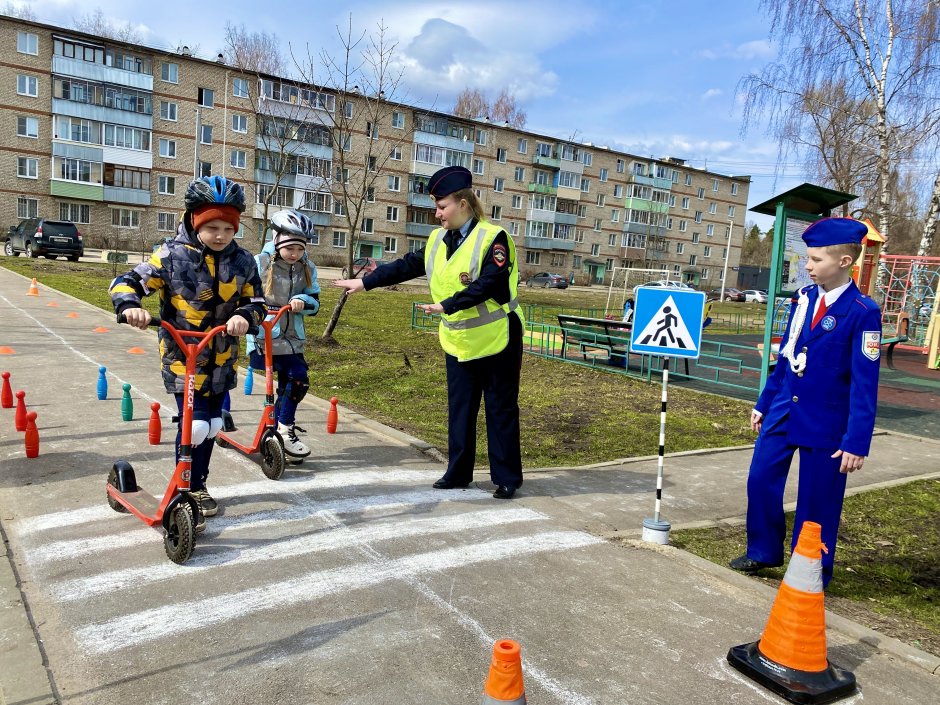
<point x="755" y="296"/>
<point x="49" y="238"/>
<point x="731" y="294"/>
<point x="547" y="279"/>
<point x="361" y="267"/>
<point x="665" y="284"/>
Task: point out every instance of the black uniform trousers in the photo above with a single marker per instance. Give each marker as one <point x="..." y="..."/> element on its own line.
<point x="496" y="379"/>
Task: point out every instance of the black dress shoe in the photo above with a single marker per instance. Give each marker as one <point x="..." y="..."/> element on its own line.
<point x="445" y="484"/>
<point x="504" y="492"/>
<point x="749" y="565"/>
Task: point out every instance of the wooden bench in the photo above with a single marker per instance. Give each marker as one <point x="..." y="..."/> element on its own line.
<point x="901" y="332"/>
<point x="595" y="336"/>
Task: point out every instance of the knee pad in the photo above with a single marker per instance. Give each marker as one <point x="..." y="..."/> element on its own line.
<point x="297" y="389"/>
<point x="200" y="432"/>
<point x="215" y="425"/>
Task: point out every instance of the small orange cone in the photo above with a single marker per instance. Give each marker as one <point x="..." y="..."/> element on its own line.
<point x="31" y="439"/>
<point x="4" y="350"/>
<point x="504" y="683"/>
<point x="52" y="304"/>
<point x="791" y="657"/>
<point x="33" y="288"/>
<point x="71" y="314"/>
<point x="100" y="329"/>
<point x="137" y="351"/>
<point x="332" y="416"/>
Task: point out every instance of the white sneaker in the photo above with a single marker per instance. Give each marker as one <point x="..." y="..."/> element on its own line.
<point x="294" y="448"/>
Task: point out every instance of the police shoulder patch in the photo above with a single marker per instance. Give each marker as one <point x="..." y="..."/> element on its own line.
<point x="499" y="254"/>
<point x="871" y="344"/>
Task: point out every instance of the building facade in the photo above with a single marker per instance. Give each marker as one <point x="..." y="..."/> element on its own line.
<point x="108" y="135"/>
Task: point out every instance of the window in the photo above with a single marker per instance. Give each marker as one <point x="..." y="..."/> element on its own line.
<point x="27" y="127"/>
<point x="520" y="173"/>
<point x="532" y="256"/>
<point x="370" y="194"/>
<point x="166" y="185"/>
<point x="522" y="146"/>
<point x="343" y="176"/>
<point x="688" y="179"/>
<point x="170" y="72"/>
<point x="368" y="225"/>
<point x="391" y="214"/>
<point x="693" y="259"/>
<point x="585" y="185"/>
<point x="415" y="245"/>
<point x="237" y="158"/>
<point x="680" y="248"/>
<point x="348" y="109"/>
<point x="27" y="85"/>
<point x="517" y="202"/>
<point x="601" y="199"/>
<point x="514" y="228"/>
<point x="481" y="137"/>
<point x="168" y="148"/>
<point x="603" y="176"/>
<point x="682" y="226"/>
<point x="372" y="130"/>
<point x="166" y="222"/>
<point x="339" y="208"/>
<point x="205" y="134"/>
<point x="339" y="238"/>
<point x="346" y="143"/>
<point x="695" y="238"/>
<point x="76" y="170"/>
<point x="734" y="189"/>
<point x="240" y="87"/>
<point x="498" y="185"/>
<point x="497" y="213"/>
<point x="478" y="166"/>
<point x="685" y="203"/>
<point x="597" y="224"/>
<point x="125" y="218"/>
<point x="395" y="154"/>
<point x="698" y="216"/>
<point x="582" y="210"/>
<point x="715" y="185"/>
<point x="730" y="211"/>
<point x="701" y="193"/>
<point x="595" y="249"/>
<point x="576" y="261"/>
<point x="398" y="122"/>
<point x="167" y="110"/>
<point x="612" y="240"/>
<point x="206" y="97"/>
<point x="710" y="230"/>
<point x="707" y="252"/>
<point x="615" y="215"/>
<point x="27" y="207"/>
<point x="27" y="43"/>
<point x="501" y="155"/>
<point x="76" y="212"/>
<point x="618" y="191"/>
<point x="391" y="244"/>
<point x="239" y="123"/>
<point x="587" y="158"/>
<point x="205" y="168"/>
<point x="127" y="177"/>
<point x="621" y="165"/>
<point x="27" y="167"/>
<point x="712" y="208"/>
<point x="704" y="274"/>
<point x="394" y="183"/>
<point x="610" y="264"/>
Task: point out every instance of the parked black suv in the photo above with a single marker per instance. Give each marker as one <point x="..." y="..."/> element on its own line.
<point x="49" y="238"/>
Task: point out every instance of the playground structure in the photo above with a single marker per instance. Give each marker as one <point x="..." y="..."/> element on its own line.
<point x="908" y="284"/>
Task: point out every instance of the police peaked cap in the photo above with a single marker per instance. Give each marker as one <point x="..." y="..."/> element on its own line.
<point x="448" y="180"/>
<point x="835" y="231"/>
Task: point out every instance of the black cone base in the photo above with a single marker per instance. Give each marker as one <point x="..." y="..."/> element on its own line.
<point x="796" y="686"/>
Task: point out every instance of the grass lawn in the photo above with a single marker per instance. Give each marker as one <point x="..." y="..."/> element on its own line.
<point x="886" y="577"/>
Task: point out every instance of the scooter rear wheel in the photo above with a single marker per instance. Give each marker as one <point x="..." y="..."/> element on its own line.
<point x="272" y="458"/>
<point x="112" y="502"/>
<point x="180" y="538"/>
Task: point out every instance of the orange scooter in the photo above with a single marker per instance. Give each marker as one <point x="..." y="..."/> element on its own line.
<point x="177" y="512"/>
<point x="266" y="439"/>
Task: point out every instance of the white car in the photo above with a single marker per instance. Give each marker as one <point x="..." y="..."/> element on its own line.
<point x="663" y="283"/>
<point x="755" y="296"/>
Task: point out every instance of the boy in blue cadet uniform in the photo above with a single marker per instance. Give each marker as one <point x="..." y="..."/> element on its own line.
<point x="820" y="399"/>
<point x="204" y="280"/>
<point x="471" y="269"/>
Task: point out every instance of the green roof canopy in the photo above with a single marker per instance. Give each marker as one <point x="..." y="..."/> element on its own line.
<point x="807" y="198"/>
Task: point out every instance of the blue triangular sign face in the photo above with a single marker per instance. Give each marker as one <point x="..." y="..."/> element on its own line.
<point x="668" y="323"/>
<point x="666" y="329"/>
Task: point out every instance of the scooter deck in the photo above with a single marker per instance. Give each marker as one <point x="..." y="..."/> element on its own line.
<point x="244" y="440"/>
<point x="140" y="503"/>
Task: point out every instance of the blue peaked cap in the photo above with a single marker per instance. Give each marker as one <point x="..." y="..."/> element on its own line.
<point x="835" y="231"/>
<point x="449" y="179"/>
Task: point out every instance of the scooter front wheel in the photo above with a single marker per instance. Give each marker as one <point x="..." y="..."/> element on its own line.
<point x="272" y="458"/>
<point x="112" y="502"/>
<point x="180" y="537"/>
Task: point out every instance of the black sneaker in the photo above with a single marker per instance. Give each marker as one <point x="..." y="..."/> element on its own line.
<point x="747" y="565"/>
<point x="208" y="506"/>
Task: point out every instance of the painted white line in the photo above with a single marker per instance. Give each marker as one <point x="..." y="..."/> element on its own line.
<point x="161" y="622"/>
<point x="321" y="481"/>
<point x="83" y="588"/>
<point x="72" y="548"/>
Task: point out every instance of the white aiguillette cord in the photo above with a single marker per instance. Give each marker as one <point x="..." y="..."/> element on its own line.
<point x="797" y="362"/>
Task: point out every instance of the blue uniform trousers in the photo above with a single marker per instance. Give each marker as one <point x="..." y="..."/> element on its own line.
<point x="496" y="379"/>
<point x="820" y="492"/>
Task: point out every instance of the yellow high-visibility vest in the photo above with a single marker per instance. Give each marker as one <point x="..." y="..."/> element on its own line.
<point x="483" y="330"/>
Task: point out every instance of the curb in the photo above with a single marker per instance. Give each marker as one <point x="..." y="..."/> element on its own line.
<point x="844" y="625"/>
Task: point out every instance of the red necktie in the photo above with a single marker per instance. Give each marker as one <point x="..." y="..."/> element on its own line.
<point x="820" y="312"/>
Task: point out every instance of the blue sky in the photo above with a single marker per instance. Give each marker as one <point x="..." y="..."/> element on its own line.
<point x="650" y="77"/>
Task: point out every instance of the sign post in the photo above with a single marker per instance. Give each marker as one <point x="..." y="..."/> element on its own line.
<point x="667" y="322"/>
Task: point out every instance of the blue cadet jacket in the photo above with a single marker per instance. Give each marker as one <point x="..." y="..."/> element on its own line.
<point x="831" y="402"/>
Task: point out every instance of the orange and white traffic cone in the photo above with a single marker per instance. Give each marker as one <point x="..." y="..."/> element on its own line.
<point x="791" y="657"/>
<point x="33" y="288"/>
<point x="504" y="683"/>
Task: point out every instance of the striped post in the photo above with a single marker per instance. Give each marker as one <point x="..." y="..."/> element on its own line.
<point x="656" y="530"/>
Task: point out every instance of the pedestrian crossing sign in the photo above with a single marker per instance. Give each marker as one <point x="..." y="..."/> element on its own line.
<point x="668" y="322"/>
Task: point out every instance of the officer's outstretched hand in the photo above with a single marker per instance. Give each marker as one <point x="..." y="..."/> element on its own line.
<point x="350" y="285"/>
<point x="850" y="461"/>
<point x="431" y="308"/>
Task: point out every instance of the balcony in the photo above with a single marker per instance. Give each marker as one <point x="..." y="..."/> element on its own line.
<point x="99" y="72"/>
<point x="420" y="200"/>
<point x="419" y="229"/>
<point x="546" y="162"/>
<point x="548" y="243"/>
<point x="645" y="229"/>
<point x="566" y="218"/>
<point x="458" y="144"/>
<point x="540" y="214"/>
<point x="569" y="194"/>
<point x="130" y="196"/>
<point x="543" y="188"/>
<point x="644" y="204"/>
<point x="634" y="253"/>
<point x="76" y="189"/>
<point x="101" y="113"/>
<point x="319" y="218"/>
<point x="652" y="181"/>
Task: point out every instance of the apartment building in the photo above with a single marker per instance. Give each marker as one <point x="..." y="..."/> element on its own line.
<point x="108" y="135"/>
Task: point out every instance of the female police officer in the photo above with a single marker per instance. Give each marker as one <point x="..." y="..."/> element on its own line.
<point x="472" y="274"/>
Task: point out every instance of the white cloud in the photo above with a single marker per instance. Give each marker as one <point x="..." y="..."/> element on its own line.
<point x="756" y="49"/>
<point x="712" y="93"/>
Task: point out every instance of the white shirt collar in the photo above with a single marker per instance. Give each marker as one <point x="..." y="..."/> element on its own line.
<point x="833" y="295"/>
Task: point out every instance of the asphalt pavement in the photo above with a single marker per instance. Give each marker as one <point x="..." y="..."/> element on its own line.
<point x="350" y="580"/>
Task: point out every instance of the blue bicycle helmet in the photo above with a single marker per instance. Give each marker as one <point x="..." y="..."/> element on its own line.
<point x="210" y="190"/>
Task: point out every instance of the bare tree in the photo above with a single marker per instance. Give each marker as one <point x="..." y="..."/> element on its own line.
<point x="365" y="83"/>
<point x="257" y="52"/>
<point x="883" y="56"/>
<point x="506" y="109"/>
<point x="20" y="12"/>
<point x="472" y="103"/>
<point x="96" y="23"/>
